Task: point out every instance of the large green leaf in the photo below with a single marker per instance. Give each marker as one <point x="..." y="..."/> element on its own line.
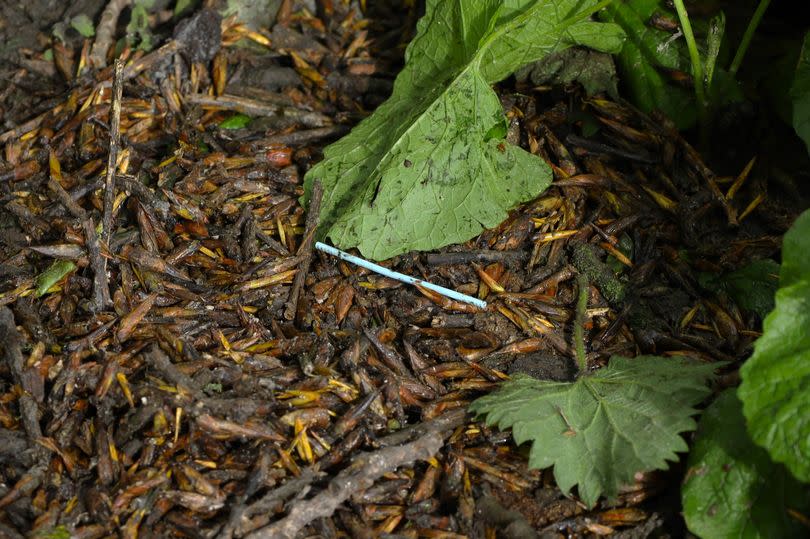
<point x="775" y="387"/>
<point x="430" y="167"/>
<point x="800" y="93"/>
<point x="732" y="488"/>
<point x="599" y="431"/>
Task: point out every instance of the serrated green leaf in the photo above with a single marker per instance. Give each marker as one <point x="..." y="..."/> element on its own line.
<point x="775" y="381"/>
<point x="645" y="52"/>
<point x="732" y="488"/>
<point x="82" y="24"/>
<point x="429" y="167"/>
<point x="599" y="431"/>
<point x="800" y="93"/>
<point x="55" y="273"/>
<point x="237" y="121"/>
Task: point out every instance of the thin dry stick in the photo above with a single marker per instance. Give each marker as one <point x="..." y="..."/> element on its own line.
<point x="101" y="287"/>
<point x="115" y="142"/>
<point x="11" y="354"/>
<point x="253" y="107"/>
<point x="579" y="323"/>
<point x="105" y="33"/>
<point x="153" y="58"/>
<point x="366" y="469"/>
<point x="305" y="251"/>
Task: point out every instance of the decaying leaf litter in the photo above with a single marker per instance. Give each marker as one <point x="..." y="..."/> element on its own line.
<point x="201" y="399"/>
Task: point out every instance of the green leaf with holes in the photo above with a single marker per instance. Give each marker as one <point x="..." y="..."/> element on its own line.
<point x="431" y="167"/>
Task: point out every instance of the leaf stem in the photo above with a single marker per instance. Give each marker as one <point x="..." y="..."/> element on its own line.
<point x="579" y="322"/>
<point x="697" y="65"/>
<point x="756" y="18"/>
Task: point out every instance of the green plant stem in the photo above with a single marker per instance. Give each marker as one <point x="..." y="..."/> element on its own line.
<point x="756" y="18"/>
<point x="579" y="322"/>
<point x="697" y="68"/>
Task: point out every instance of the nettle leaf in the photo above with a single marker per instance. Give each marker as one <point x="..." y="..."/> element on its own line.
<point x="602" y="429"/>
<point x="776" y="379"/>
<point x="800" y="93"/>
<point x="732" y="487"/>
<point x="430" y="167"/>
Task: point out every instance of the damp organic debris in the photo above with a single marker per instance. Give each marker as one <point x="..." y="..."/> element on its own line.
<point x="542" y="281"/>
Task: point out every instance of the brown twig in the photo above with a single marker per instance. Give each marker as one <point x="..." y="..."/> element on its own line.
<point x="153" y="58"/>
<point x="158" y="360"/>
<point x="305" y="251"/>
<point x="11" y="353"/>
<point x="101" y="285"/>
<point x="112" y="159"/>
<point x="105" y="33"/>
<point x="364" y="471"/>
<point x="253" y="107"/>
<point x="482" y="255"/>
<point x="708" y="175"/>
<point x="11" y="341"/>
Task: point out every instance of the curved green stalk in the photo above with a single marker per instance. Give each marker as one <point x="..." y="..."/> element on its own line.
<point x="694" y="55"/>
<point x="579" y="323"/>
<point x="756" y="18"/>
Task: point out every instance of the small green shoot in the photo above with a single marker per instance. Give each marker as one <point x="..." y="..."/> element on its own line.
<point x="694" y="56"/>
<point x="138" y="31"/>
<point x="82" y="24"/>
<point x="236" y="121"/>
<point x="55" y="273"/>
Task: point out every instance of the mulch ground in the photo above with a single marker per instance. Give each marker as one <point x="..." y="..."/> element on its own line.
<point x="162" y="373"/>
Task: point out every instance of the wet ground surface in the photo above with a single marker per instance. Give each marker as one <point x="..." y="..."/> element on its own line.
<point x="169" y="377"/>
